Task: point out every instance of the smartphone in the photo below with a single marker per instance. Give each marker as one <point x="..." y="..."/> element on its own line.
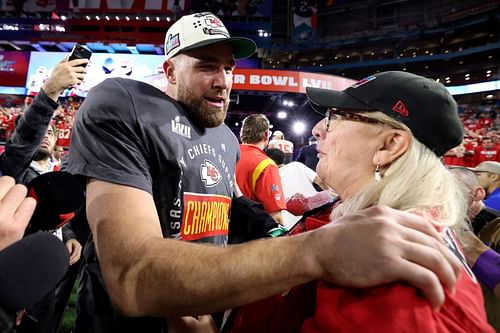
<point x="80" y="52"/>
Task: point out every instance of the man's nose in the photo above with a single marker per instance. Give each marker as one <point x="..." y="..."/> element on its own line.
<point x="221" y="79"/>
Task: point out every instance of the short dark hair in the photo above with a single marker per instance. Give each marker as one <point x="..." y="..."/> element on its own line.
<point x="276" y="155"/>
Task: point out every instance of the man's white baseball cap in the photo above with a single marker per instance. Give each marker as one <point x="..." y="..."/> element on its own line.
<point x="202" y="29"/>
<point x="278" y="134"/>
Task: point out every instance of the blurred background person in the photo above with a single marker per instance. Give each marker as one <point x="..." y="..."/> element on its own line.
<point x="478" y="213"/>
<point x="278" y="141"/>
<point x="488" y="173"/>
<point x="57" y="155"/>
<point x="479" y="236"/>
<point x="308" y="154"/>
<point x="296" y="179"/>
<point x="256" y="174"/>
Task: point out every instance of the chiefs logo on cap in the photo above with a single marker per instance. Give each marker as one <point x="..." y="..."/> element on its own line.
<point x="213" y="21"/>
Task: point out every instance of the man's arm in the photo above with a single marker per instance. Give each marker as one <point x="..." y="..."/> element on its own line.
<point x="482" y="259"/>
<point x="148" y="275"/>
<point x="30" y="131"/>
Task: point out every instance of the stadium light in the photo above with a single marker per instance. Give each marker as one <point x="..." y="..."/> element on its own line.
<point x="299" y="127"/>
<point x="281" y="115"/>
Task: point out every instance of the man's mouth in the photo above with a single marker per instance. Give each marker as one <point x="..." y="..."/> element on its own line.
<point x="216" y="101"/>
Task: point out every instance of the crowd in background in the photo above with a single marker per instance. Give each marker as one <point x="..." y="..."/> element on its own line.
<point x="177" y="170"/>
<point x="481" y="142"/>
<point x="62" y="119"/>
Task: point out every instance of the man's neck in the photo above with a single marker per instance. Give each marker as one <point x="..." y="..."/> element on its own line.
<point x="43" y="163"/>
<point x="262" y="145"/>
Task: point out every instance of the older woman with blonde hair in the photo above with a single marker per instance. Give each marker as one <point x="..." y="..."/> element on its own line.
<point x="380" y="144"/>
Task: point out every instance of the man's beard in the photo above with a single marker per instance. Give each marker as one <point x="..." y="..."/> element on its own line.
<point x="201" y="114"/>
<point x="41" y="154"/>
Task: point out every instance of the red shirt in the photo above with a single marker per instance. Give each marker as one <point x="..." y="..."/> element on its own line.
<point x="63" y="134"/>
<point x="283" y="145"/>
<point x="485" y="122"/>
<point x="396" y="307"/>
<point x="483" y="154"/>
<point x="268" y="189"/>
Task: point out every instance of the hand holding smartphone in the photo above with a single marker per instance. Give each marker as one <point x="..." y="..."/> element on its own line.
<point x="80" y="52"/>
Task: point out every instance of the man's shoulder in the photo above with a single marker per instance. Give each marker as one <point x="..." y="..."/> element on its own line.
<point x="293" y="165"/>
<point x="495" y="194"/>
<point x="124" y="93"/>
<point x="298" y="167"/>
<point x="135" y="88"/>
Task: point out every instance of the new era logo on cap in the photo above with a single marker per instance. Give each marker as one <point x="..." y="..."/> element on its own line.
<point x="200" y="30"/>
<point x="400" y="108"/>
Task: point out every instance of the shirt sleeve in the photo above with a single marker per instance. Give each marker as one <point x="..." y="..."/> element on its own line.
<point x="107" y="141"/>
<point x="269" y="191"/>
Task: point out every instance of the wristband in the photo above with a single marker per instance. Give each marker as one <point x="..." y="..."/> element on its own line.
<point x="487" y="268"/>
<point x="278" y="231"/>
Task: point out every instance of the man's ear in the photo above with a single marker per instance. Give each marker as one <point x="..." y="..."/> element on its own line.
<point x="395" y="142"/>
<point x="169" y="69"/>
<point x="266" y="135"/>
<point x="478" y="194"/>
<point x="494" y="177"/>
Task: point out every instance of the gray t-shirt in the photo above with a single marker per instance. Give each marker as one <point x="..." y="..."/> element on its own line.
<point x="130" y="133"/>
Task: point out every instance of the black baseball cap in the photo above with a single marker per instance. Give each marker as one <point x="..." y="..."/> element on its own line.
<point x="422" y="104"/>
<point x="59" y="197"/>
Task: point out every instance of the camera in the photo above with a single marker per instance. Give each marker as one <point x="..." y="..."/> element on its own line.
<point x="80" y="52"/>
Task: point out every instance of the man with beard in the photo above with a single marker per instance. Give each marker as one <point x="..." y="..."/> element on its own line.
<point x="159" y="170"/>
<point x="31" y="129"/>
<point x="43" y="162"/>
<point x="28" y="154"/>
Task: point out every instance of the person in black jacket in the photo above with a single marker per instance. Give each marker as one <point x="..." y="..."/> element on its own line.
<point x="22" y="147"/>
<point x="33" y="141"/>
<point x="308" y="154"/>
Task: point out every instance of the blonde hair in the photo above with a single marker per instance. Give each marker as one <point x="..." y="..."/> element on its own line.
<point x="416" y="182"/>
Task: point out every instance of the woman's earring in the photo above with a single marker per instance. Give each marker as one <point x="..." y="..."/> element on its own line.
<point x="378" y="176"/>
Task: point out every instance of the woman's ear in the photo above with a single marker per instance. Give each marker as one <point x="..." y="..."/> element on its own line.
<point x="478" y="193"/>
<point x="169" y="69"/>
<point x="395" y="142"/>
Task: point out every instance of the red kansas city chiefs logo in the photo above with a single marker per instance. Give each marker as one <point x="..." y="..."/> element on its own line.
<point x="209" y="173"/>
<point x="213" y="22"/>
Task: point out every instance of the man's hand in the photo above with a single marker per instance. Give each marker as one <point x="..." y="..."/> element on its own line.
<point x="381" y="245"/>
<point x="65" y="74"/>
<point x="188" y="324"/>
<point x="15" y="211"/>
<point x="74" y="250"/>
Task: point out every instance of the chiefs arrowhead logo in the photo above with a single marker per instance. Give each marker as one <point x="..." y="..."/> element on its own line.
<point x="210" y="175"/>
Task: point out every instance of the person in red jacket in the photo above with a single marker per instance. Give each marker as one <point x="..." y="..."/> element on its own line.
<point x="403" y="124"/>
<point x="487" y="151"/>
